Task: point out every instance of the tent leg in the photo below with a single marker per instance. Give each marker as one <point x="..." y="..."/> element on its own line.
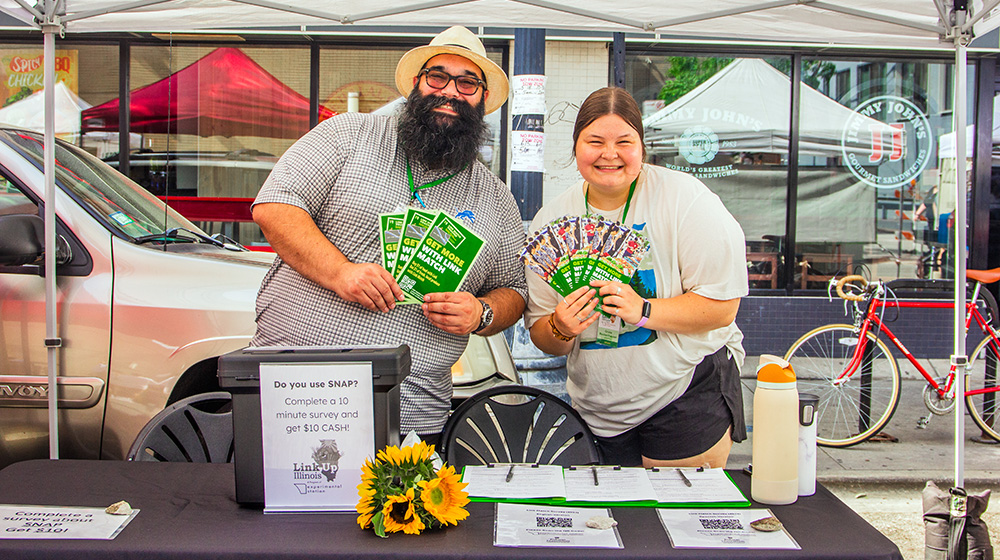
<point x="52" y="341"/>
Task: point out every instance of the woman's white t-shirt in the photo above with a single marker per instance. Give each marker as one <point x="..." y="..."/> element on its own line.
<point x="695" y="245"/>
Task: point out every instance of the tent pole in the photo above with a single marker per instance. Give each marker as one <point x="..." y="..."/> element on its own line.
<point x="959" y="358"/>
<point x="52" y="340"/>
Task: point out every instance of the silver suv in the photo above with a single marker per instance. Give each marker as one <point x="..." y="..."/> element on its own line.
<point x="146" y="303"/>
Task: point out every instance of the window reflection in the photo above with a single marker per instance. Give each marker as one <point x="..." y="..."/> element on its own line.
<point x="894" y="159"/>
<point x="731" y="129"/>
<point x="873" y="183"/>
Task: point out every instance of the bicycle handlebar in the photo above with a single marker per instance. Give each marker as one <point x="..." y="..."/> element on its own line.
<point x="851" y="278"/>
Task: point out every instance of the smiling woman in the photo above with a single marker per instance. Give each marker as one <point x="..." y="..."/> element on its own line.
<point x="678" y="402"/>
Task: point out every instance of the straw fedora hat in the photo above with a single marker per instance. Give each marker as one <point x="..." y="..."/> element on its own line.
<point x="459" y="41"/>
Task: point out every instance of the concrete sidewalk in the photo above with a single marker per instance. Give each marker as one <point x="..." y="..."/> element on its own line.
<point x="882" y="481"/>
<point x="919" y="455"/>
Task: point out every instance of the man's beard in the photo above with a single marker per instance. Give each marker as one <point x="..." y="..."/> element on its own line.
<point x="438" y="141"/>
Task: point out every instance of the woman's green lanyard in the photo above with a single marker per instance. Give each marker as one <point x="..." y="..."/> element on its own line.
<point x="586" y="197"/>
<point x="415" y="190"/>
<point x="609" y="328"/>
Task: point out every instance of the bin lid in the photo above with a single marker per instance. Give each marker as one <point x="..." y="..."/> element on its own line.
<point x="241" y="368"/>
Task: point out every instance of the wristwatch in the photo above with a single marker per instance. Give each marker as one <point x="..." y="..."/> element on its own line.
<point x="647" y="309"/>
<point x="487" y="317"/>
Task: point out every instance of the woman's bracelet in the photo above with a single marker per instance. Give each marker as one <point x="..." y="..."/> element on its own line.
<point x="556" y="332"/>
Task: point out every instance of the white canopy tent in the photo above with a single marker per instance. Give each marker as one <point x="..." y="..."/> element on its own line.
<point x="920" y="24"/>
<point x="29" y="112"/>
<point x="946" y="142"/>
<point x="756" y="120"/>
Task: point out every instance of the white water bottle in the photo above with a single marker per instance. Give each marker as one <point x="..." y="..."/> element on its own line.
<point x="775" y="433"/>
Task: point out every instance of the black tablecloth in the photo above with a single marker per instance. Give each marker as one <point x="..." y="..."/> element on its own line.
<point x="189" y="512"/>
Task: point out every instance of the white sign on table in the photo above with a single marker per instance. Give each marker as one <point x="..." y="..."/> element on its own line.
<point x="721" y="528"/>
<point x="318" y="427"/>
<point x="60" y="522"/>
<point x="524" y="525"/>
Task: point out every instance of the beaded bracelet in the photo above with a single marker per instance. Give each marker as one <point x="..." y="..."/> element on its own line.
<point x="556" y="333"/>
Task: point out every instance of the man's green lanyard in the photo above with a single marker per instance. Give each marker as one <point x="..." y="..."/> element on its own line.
<point x="586" y="198"/>
<point x="415" y="190"/>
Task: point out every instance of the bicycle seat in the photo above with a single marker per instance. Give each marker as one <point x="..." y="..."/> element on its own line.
<point x="985" y="276"/>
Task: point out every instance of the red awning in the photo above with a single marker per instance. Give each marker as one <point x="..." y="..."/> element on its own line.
<point x="224" y="93"/>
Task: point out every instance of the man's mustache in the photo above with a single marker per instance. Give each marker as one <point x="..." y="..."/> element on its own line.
<point x="434" y="101"/>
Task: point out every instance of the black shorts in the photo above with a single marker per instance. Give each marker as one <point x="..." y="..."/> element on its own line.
<point x="691" y="424"/>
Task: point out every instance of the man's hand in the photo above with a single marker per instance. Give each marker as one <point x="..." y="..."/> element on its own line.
<point x="294" y="236"/>
<point x="453" y="312"/>
<point x="368" y="284"/>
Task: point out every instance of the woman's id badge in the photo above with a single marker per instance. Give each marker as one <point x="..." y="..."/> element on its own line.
<point x="607" y="330"/>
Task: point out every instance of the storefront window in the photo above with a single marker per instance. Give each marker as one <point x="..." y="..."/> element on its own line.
<point x="726" y="121"/>
<point x="222" y="113"/>
<point x="210" y="121"/>
<point x="874" y="184"/>
<point x="86" y="75"/>
<point x="875" y="193"/>
<point x="363" y="79"/>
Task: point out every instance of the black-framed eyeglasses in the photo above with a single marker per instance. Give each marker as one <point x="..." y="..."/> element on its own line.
<point x="466" y="85"/>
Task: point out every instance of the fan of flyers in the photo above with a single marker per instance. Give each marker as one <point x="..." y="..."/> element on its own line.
<point x="427" y="251"/>
<point x="574" y="250"/>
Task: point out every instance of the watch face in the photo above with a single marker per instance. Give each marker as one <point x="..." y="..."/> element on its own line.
<point x="487" y="316"/>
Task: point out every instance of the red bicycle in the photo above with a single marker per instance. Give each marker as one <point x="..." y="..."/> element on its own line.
<point x="856" y="377"/>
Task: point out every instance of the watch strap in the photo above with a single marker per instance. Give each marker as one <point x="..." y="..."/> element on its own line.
<point x="647" y="309"/>
<point x="487" y="317"/>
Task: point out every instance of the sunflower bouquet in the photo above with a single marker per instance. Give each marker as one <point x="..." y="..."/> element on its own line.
<point x="401" y="491"/>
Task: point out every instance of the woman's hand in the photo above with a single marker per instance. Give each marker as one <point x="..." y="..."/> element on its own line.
<point x="619" y="299"/>
<point x="575" y="312"/>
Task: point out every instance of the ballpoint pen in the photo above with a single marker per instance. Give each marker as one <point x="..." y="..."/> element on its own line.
<point x="687" y="482"/>
<point x="594" y="470"/>
<point x="510" y="474"/>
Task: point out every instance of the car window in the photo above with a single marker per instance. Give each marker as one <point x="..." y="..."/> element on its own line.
<point x="117" y="200"/>
<point x="13" y="201"/>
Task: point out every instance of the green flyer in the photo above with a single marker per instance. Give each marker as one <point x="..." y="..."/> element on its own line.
<point x="573" y="251"/>
<point x="415" y="224"/>
<point x="441" y="261"/>
<point x="390" y="229"/>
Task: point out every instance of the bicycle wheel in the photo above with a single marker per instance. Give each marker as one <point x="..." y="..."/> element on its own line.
<point x="851" y="410"/>
<point x="982" y="376"/>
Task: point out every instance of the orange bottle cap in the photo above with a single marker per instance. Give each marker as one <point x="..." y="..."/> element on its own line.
<point x="774" y="373"/>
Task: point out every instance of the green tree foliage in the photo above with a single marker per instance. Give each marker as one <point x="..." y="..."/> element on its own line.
<point x="815" y="73"/>
<point x="688" y="72"/>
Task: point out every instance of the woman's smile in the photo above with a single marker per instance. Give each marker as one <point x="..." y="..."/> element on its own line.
<point x="609" y="157"/>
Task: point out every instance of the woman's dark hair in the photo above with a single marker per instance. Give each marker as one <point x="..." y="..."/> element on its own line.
<point x="609" y="101"/>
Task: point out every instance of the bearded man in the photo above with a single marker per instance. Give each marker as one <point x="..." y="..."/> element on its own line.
<point x="319" y="210"/>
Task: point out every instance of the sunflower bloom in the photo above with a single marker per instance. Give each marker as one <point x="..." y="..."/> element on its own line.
<point x="367" y="502"/>
<point x="365" y="519"/>
<point x="367" y="472"/>
<point x="444" y="497"/>
<point x="391" y="455"/>
<point x="399" y="514"/>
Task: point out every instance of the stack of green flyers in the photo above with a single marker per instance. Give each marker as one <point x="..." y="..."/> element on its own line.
<point x="574" y="250"/>
<point x="427" y="251"/>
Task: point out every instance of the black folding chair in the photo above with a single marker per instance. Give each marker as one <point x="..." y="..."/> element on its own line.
<point x="538" y="428"/>
<point x="197" y="429"/>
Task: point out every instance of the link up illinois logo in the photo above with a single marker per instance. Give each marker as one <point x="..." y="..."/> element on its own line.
<point x="887" y="142"/>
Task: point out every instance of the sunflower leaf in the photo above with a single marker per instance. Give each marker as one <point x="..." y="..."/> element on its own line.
<point x="379" y="525"/>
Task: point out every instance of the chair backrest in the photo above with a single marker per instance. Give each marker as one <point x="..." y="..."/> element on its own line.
<point x="197" y="429"/>
<point x="540" y="429"/>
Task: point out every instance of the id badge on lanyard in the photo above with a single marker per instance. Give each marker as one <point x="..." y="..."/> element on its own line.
<point x="608" y="329"/>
